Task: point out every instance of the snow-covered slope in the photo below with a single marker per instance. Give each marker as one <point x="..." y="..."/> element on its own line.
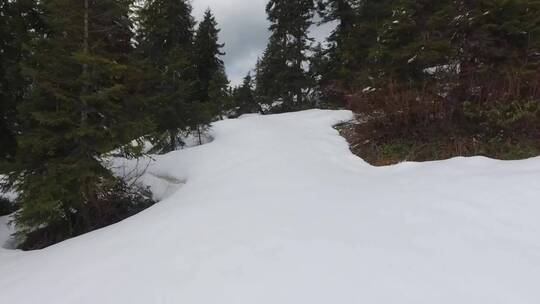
<point x="277" y="210"/>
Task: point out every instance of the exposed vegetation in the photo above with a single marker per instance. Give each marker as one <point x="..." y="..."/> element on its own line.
<point x="437" y="79"/>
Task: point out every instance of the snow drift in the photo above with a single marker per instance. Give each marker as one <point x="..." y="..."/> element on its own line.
<point x="277" y="210"/>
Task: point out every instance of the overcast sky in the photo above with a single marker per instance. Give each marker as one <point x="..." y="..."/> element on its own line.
<point x="244" y="30"/>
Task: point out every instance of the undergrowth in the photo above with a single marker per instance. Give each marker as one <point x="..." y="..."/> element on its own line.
<point x="380" y="149"/>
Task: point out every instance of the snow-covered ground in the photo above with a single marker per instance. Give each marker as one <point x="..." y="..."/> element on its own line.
<point x="7" y="195"/>
<point x="277" y="210"/>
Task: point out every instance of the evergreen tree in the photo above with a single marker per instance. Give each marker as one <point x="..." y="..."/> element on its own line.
<point x="219" y="94"/>
<point x="320" y="69"/>
<point x="245" y="99"/>
<point x="444" y="64"/>
<point x="351" y="62"/>
<point x="210" y="68"/>
<point x="78" y="109"/>
<point x="165" y="26"/>
<point x="495" y="33"/>
<point x="378" y="41"/>
<point x="265" y="87"/>
<point x="287" y="53"/>
<point x="18" y="19"/>
<point x="498" y="43"/>
<point x="211" y="84"/>
<point x="344" y="13"/>
<point x="166" y="41"/>
<point x="417" y="36"/>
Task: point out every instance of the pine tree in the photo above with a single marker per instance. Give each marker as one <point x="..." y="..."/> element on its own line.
<point x="414" y="38"/>
<point x="209" y="65"/>
<point x="495" y="33"/>
<point x="219" y="93"/>
<point x="245" y="99"/>
<point x="345" y="14"/>
<point x="342" y="11"/>
<point x="356" y="67"/>
<point x="78" y="109"/>
<point x="265" y="87"/>
<point x="165" y="45"/>
<point x="498" y="43"/>
<point x="18" y="19"/>
<point x="165" y="26"/>
<point x="287" y="53"/>
<point x="443" y="64"/>
<point x="211" y="83"/>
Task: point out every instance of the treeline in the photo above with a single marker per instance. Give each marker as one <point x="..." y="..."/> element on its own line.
<point x="80" y="79"/>
<point x="458" y="77"/>
<point x="412" y="67"/>
<point x="436" y="79"/>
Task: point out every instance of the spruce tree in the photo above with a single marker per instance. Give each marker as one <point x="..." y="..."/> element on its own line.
<point x="210" y="67"/>
<point x="415" y="37"/>
<point x="491" y="34"/>
<point x="79" y="108"/>
<point x="245" y="99"/>
<point x="498" y="43"/>
<point x="265" y="87"/>
<point x="165" y="26"/>
<point x="165" y="39"/>
<point x="18" y="19"/>
<point x="344" y="13"/>
<point x="287" y="53"/>
<point x="350" y="55"/>
<point x="219" y="93"/>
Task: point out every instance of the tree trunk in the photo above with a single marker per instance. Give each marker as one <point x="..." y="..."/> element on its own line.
<point x="199" y="134"/>
<point x="172" y="134"/>
<point x="84" y="111"/>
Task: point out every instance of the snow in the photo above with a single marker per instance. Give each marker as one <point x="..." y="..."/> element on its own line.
<point x="445" y="68"/>
<point x="277" y="210"/>
<point x="6" y="230"/>
<point x="269" y="107"/>
<point x="369" y="90"/>
<point x="10" y="195"/>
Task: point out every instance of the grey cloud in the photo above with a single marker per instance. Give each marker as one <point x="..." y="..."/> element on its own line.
<point x="244" y="30"/>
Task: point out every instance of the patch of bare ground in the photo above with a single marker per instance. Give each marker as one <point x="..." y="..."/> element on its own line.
<point x="381" y="147"/>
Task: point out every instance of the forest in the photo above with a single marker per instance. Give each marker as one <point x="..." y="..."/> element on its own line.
<point x="83" y="80"/>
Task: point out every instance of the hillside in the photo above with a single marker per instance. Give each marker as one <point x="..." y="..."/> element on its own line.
<point x="277" y="210"/>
